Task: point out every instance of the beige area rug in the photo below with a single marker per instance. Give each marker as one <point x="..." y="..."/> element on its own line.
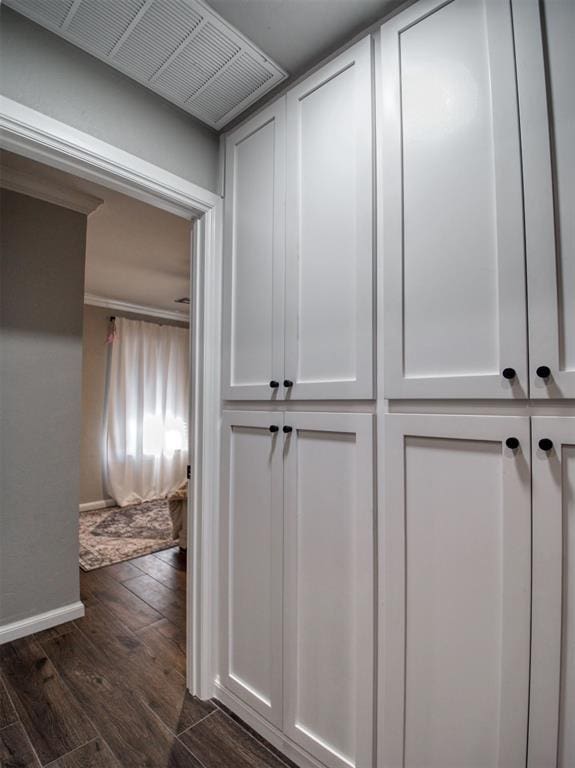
<point x="115" y="534"/>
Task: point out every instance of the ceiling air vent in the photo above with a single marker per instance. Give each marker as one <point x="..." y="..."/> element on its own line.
<point x="180" y="49"/>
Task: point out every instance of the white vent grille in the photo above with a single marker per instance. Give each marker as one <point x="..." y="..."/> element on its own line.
<point x="180" y="49"/>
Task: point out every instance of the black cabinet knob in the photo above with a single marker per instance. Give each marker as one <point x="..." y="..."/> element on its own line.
<point x="545" y="444"/>
<point x="288" y="383"/>
<point x="508" y="373"/>
<point x="274" y="384"/>
<point x="543" y="371"/>
<point x="274" y="428"/>
<point x="512" y="442"/>
<point x="287" y="430"/>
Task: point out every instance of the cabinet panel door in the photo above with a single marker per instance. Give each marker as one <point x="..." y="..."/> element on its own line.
<point x="544" y="32"/>
<point x="328" y="641"/>
<point x="452" y="218"/>
<point x="455" y="589"/>
<point x="552" y="701"/>
<point x="251" y="560"/>
<point x="329" y="266"/>
<point x="254" y="217"/>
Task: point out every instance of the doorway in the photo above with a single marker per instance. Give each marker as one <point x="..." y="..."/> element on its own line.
<point x="38" y="137"/>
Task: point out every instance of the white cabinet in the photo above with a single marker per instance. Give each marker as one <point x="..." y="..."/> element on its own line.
<point x="254" y="244"/>
<point x="297" y="577"/>
<point x="328" y="635"/>
<point x="329" y="236"/>
<point x="544" y="33"/>
<point x="452" y="218"/>
<point x="325" y="227"/>
<point x="552" y="700"/>
<point x="251" y="530"/>
<point x="455" y="559"/>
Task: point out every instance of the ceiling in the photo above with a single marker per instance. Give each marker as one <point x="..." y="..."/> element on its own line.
<point x="297" y="34"/>
<point x="179" y="49"/>
<point x="135" y="253"/>
<point x="213" y="65"/>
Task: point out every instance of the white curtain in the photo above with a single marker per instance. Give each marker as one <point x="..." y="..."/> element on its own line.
<point x="147" y="411"/>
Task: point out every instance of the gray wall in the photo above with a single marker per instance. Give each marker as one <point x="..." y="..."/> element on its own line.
<point x="94" y="369"/>
<point x="44" y="72"/>
<point x="42" y="250"/>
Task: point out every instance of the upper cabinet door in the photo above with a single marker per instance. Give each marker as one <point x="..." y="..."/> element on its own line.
<point x="329" y="632"/>
<point x="254" y="216"/>
<point x="545" y="33"/>
<point x="452" y="219"/>
<point x="455" y="555"/>
<point x="251" y="560"/>
<point x="552" y="700"/>
<point x="329" y="237"/>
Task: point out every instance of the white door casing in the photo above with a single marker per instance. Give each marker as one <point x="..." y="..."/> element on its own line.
<point x="329" y="235"/>
<point x="329" y="592"/>
<point x="544" y="33"/>
<point x="452" y="219"/>
<point x="251" y="560"/>
<point x="552" y="699"/>
<point x="254" y="245"/>
<point x="455" y="577"/>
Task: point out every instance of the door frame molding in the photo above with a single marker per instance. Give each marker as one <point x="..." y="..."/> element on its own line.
<point x="35" y="135"/>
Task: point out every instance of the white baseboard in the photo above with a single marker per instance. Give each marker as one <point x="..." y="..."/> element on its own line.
<point x="272" y="734"/>
<point x="102" y="504"/>
<point x="41" y="621"/>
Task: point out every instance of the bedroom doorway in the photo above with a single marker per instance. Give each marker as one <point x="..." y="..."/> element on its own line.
<point x="32" y="134"/>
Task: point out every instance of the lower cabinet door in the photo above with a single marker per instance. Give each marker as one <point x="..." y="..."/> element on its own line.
<point x="328" y="635"/>
<point x="552" y="700"/>
<point x="251" y="560"/>
<point x="454" y="636"/>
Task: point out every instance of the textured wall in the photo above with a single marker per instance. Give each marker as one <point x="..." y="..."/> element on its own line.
<point x="42" y="251"/>
<point x="44" y="72"/>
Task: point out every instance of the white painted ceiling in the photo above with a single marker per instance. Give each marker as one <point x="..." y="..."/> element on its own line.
<point x="135" y="252"/>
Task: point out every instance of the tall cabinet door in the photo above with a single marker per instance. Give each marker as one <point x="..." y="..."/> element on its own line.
<point x="552" y="702"/>
<point x="254" y="217"/>
<point x="251" y="560"/>
<point x="455" y="592"/>
<point x="329" y="237"/>
<point x="328" y="640"/>
<point x="544" y="31"/>
<point x="452" y="218"/>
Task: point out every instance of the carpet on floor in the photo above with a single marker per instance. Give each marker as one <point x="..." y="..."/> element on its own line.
<point x="115" y="534"/>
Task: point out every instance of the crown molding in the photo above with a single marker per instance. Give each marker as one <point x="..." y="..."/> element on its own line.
<point x="135" y="309"/>
<point x="50" y="191"/>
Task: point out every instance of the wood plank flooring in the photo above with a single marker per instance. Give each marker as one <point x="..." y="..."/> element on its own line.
<point x="108" y="690"/>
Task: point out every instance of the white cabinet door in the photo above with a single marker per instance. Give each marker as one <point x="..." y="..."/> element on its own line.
<point x="455" y="576"/>
<point x="328" y="640"/>
<point x="329" y="237"/>
<point x="254" y="218"/>
<point x="452" y="218"/>
<point x="251" y="560"/>
<point x="552" y="701"/>
<point x="544" y="32"/>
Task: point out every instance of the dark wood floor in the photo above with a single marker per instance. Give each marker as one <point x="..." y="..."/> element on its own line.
<point x="108" y="690"/>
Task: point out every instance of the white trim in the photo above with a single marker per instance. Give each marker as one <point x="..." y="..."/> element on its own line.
<point x="136" y="309"/>
<point x="39" y="137"/>
<point x="89" y="506"/>
<point x="33" y="134"/>
<point x="48" y="190"/>
<point x="41" y="621"/>
<point x="205" y="426"/>
<point x="273" y="735"/>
